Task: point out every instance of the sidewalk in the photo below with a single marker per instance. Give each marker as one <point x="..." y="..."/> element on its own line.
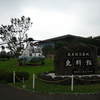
<point x="10" y="93"/>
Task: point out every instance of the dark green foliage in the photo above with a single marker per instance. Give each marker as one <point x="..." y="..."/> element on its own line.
<point x="60" y="44"/>
<point x="48" y="49"/>
<point x="20" y="76"/>
<point x="5" y="76"/>
<point x="90" y="40"/>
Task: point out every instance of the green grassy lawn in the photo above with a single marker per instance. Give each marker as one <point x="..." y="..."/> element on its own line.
<point x="59" y="89"/>
<point x="12" y="65"/>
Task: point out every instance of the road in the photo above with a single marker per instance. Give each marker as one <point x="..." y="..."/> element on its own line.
<point x="8" y="92"/>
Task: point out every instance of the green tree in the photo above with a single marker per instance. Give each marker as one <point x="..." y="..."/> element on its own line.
<point x="90" y="40"/>
<point x="15" y="34"/>
<point x="48" y="49"/>
<point x="60" y="44"/>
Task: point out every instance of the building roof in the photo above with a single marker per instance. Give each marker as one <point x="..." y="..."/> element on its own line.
<point x="59" y="38"/>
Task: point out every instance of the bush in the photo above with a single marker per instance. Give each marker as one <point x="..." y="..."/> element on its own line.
<point x="20" y="76"/>
<point x="5" y="76"/>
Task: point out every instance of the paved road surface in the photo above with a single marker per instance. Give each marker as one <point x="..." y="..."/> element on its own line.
<point x="10" y="93"/>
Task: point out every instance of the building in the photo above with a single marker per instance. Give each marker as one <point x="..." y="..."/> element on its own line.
<point x="52" y="41"/>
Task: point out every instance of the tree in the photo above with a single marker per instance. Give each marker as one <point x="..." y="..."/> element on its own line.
<point x="60" y="44"/>
<point x="15" y="34"/>
<point x="90" y="40"/>
<point x="48" y="49"/>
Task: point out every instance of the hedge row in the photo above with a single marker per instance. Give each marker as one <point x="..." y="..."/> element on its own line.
<point x="7" y="76"/>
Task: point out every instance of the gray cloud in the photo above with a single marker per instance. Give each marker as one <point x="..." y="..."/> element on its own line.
<point x="53" y="18"/>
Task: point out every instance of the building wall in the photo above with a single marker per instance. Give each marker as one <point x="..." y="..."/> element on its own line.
<point x="45" y="44"/>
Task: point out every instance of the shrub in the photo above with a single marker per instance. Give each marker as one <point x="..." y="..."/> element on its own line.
<point x="5" y="76"/>
<point x="20" y="76"/>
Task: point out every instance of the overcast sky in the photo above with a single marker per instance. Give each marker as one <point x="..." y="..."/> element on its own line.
<point x="52" y="18"/>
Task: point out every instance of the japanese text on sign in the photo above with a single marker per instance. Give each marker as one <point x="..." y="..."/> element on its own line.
<point x="78" y="62"/>
<point x="78" y="54"/>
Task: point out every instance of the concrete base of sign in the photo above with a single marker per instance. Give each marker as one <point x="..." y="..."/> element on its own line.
<point x="53" y="75"/>
<point x="50" y="77"/>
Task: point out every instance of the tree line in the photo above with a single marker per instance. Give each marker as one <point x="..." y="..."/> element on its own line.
<point x="90" y="40"/>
